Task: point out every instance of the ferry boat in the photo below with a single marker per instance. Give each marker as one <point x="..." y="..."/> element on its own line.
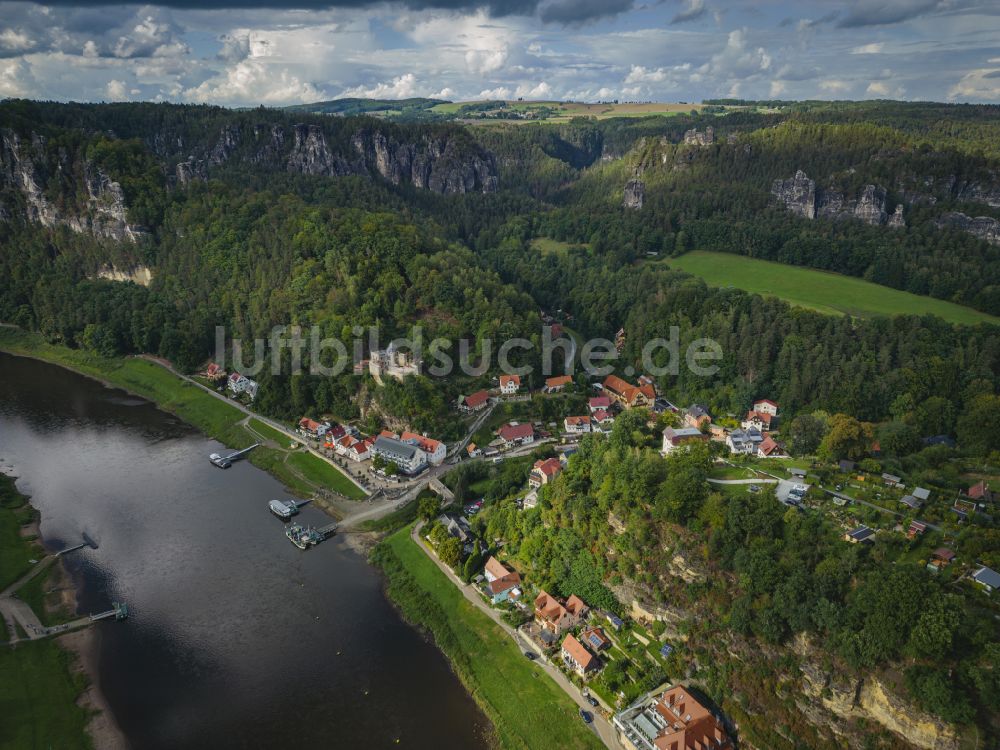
<point x="303" y="537"/>
<point x="283" y="509"/>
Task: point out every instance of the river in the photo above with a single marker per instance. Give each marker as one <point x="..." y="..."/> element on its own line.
<point x="235" y="637"/>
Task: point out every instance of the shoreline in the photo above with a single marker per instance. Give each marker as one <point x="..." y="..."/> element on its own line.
<point x="102" y="728"/>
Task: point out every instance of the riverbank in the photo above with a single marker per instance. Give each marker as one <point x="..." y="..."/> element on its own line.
<point x="43" y="683"/>
<point x="526" y="708"/>
<point x="213" y="416"/>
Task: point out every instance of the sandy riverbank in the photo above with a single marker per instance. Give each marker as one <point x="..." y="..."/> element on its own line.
<point x="102" y="727"/>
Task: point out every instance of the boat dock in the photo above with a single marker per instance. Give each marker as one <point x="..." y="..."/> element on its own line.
<point x="304" y="537"/>
<point x="224" y="462"/>
<point x="119" y="611"/>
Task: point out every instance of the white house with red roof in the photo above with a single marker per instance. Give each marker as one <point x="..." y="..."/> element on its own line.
<point x="765" y="406"/>
<point x="599" y="403"/>
<point x="544" y="471"/>
<point x="474" y="402"/>
<point x="577" y="425"/>
<point x="240" y="384"/>
<point x="435" y="449"/>
<point x="515" y="433"/>
<point x="310" y="428"/>
<point x="510" y="384"/>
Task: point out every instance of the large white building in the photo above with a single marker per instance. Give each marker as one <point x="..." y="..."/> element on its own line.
<point x="408" y="457"/>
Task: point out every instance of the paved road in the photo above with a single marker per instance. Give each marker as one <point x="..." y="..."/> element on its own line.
<point x="600" y="726"/>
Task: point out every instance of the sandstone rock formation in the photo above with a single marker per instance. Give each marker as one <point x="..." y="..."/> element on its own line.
<point x="801" y="196"/>
<point x="635" y="193"/>
<point x="984" y="227"/>
<point x="695" y="138"/>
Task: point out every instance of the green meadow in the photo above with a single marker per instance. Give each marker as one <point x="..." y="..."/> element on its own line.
<point x="825" y="292"/>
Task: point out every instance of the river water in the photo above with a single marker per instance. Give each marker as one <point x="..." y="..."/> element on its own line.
<point x="236" y="639"/>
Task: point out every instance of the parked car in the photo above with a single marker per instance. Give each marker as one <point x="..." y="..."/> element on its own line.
<point x="592" y="701"/>
<point x="530" y="655"/>
<point x="585" y="715"/>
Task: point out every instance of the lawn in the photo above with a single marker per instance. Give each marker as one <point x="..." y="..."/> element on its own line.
<point x="825" y="292"/>
<point x="266" y="431"/>
<point x="549" y="246"/>
<point x="15" y="550"/>
<point x="528" y="710"/>
<point x="38" y="694"/>
<point x="321" y="472"/>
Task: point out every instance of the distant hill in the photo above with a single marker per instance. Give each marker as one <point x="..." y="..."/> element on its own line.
<point x="413" y="108"/>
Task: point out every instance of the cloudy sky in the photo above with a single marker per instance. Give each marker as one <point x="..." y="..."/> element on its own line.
<point x="246" y="52"/>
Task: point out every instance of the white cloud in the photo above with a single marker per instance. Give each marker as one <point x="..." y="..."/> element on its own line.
<point x="982" y="84"/>
<point x="884" y="90"/>
<point x="15" y="41"/>
<point x="116" y="91"/>
<point x="15" y="78"/>
<point x="253" y="81"/>
<point x="835" y="86"/>
<point x="485" y="61"/>
<point x="401" y="87"/>
<point x="777" y="89"/>
<point x="874" y="48"/>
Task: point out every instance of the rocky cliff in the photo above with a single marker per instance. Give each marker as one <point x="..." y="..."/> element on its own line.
<point x="801" y="196"/>
<point x="26" y="169"/>
<point x="443" y="163"/>
<point x="635" y="194"/>
<point x="984" y="227"/>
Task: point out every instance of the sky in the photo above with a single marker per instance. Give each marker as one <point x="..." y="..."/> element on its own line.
<point x="250" y="52"/>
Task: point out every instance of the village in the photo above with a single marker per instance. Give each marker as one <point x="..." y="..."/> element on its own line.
<point x="620" y="662"/>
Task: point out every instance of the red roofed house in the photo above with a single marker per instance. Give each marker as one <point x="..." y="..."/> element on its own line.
<point x="513" y="434"/>
<point x="501" y="584"/>
<point x="671" y="721"/>
<point x="601" y="419"/>
<point x="214" y="372"/>
<point x="557" y="383"/>
<point x="765" y="406"/>
<point x="599" y="403"/>
<point x="578" y="658"/>
<point x="544" y="472"/>
<point x="768" y="447"/>
<point x="475" y="402"/>
<point x="354" y="449"/>
<point x="980" y="491"/>
<point x="758" y="419"/>
<point x="577" y="425"/>
<point x="510" y="384"/>
<point x="552" y="615"/>
<point x="435" y="449"/>
<point x="628" y="395"/>
<point x="313" y="429"/>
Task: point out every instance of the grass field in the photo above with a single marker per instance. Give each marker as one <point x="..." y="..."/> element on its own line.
<point x="38" y="694"/>
<point x="15" y="550"/>
<point x="564" y="111"/>
<point x="528" y="710"/>
<point x="324" y="474"/>
<point x="266" y="431"/>
<point x="822" y="291"/>
<point x="549" y="246"/>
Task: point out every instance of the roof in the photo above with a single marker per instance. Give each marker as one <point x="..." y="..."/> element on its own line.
<point x="917" y="527"/>
<point x="697" y="411"/>
<point x="595" y="638"/>
<point x="549" y="466"/>
<point x="575" y="605"/>
<point x="861" y="534"/>
<point x="766" y="401"/>
<point x="429" y="445"/>
<point x="911" y="501"/>
<point x="476" y="400"/>
<point x="987" y="577"/>
<point x="599" y="402"/>
<point x="846" y="465"/>
<point x="395" y="447"/>
<point x="309" y="424"/>
<point x="578" y="653"/>
<point x="892" y="478"/>
<point x="626" y="390"/>
<point x="617" y="385"/>
<point x="516" y="431"/>
<point x="559" y="381"/>
<point x="471" y="447"/>
<point x="943" y="553"/>
<point x="505" y="379"/>
<point x="601" y="415"/>
<point x="763" y="416"/>
<point x="676" y="436"/>
<point x="505" y="583"/>
<point x="684" y="721"/>
<point x="495" y="568"/>
<point x="978" y="490"/>
<point x="768" y="446"/>
<point x="548" y="607"/>
<point x="921" y="494"/>
<point x="578" y="420"/>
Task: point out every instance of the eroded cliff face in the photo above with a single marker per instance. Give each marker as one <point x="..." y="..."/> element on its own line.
<point x="141" y="275"/>
<point x="984" y="227"/>
<point x="871" y="699"/>
<point x="801" y="196"/>
<point x="25" y="172"/>
<point x="444" y="164"/>
<point x="635" y="193"/>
